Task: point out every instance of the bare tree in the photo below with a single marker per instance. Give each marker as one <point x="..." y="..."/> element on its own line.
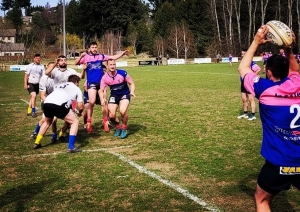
<point x="109" y="38"/>
<point x="229" y="9"/>
<point x="278" y="14"/>
<point x="159" y="46"/>
<point x="225" y="22"/>
<point x="250" y="20"/>
<point x="237" y="6"/>
<point x="213" y="6"/>
<point x="118" y="40"/>
<point x="263" y="6"/>
<point x="188" y="40"/>
<point x="175" y="41"/>
<point x="290" y="17"/>
<point x="132" y="37"/>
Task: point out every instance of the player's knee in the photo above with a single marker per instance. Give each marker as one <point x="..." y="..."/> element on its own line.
<point x="92" y="102"/>
<point x="123" y="113"/>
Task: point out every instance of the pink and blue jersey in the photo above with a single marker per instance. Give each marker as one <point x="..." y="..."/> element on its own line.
<point x="279" y="107"/>
<point x="254" y="67"/>
<point x="117" y="83"/>
<point x="94" y="70"/>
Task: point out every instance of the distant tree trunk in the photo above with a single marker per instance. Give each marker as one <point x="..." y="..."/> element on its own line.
<point x="290" y="17"/>
<point x="229" y="7"/>
<point x="133" y="40"/>
<point x="250" y="20"/>
<point x="263" y="5"/>
<point x="225" y="22"/>
<point x="237" y="5"/>
<point x="119" y="40"/>
<point x="215" y="18"/>
<point x="174" y="40"/>
<point x="159" y="46"/>
<point x="188" y="40"/>
<point x="254" y="19"/>
<point x="278" y="16"/>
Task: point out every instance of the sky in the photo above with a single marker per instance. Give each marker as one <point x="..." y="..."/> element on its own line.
<point x="52" y="3"/>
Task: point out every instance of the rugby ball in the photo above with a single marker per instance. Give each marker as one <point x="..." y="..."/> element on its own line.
<point x="279" y="33"/>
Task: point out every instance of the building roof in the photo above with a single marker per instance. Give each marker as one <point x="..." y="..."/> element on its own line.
<point x="8" y="32"/>
<point x="11" y="47"/>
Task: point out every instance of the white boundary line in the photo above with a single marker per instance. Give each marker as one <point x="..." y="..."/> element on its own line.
<point x="27" y="103"/>
<point x="174" y="186"/>
<point x="141" y="169"/>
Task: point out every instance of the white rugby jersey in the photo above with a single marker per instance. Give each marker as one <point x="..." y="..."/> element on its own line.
<point x="60" y="77"/>
<point x="46" y="84"/>
<point x="35" y="72"/>
<point x="65" y="92"/>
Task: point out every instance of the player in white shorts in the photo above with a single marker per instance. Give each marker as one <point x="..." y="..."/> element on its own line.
<point x="58" y="104"/>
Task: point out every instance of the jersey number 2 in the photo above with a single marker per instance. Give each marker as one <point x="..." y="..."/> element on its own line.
<point x="292" y="110"/>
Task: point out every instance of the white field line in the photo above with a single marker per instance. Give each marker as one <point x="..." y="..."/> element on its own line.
<point x="174" y="186"/>
<point x="16" y="103"/>
<point x="27" y="103"/>
<point x="197" y="72"/>
<point x="140" y="168"/>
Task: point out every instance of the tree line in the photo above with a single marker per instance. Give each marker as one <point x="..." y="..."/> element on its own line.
<point x="180" y="28"/>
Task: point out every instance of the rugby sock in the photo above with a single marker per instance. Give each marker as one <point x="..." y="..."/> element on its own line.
<point x="253" y="114"/>
<point x="118" y="126"/>
<point x="245" y="112"/>
<point x="84" y="118"/>
<point x="33" y="110"/>
<point x="29" y="110"/>
<point x="38" y="139"/>
<point x="89" y="120"/>
<point x="116" y="123"/>
<point x="61" y="133"/>
<point x="54" y="136"/>
<point x="124" y="127"/>
<point x="72" y="139"/>
<point x="37" y="128"/>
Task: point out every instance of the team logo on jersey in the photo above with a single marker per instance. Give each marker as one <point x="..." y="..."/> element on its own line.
<point x="285" y="170"/>
<point x="255" y="79"/>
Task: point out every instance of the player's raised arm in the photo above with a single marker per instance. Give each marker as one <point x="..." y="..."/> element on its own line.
<point x="50" y="67"/>
<point x="77" y="61"/>
<point x="117" y="56"/>
<point x="259" y="38"/>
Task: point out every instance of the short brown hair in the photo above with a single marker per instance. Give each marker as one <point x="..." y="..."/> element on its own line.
<point x="74" y="78"/>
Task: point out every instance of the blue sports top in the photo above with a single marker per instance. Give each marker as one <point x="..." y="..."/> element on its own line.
<point x="279" y="107"/>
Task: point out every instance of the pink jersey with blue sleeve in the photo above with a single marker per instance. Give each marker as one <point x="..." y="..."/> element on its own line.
<point x="117" y="83"/>
<point x="94" y="70"/>
<point x="279" y="107"/>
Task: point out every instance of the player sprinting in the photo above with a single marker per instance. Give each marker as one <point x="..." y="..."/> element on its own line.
<point x="120" y="94"/>
<point x="94" y="73"/>
<point x="33" y="74"/>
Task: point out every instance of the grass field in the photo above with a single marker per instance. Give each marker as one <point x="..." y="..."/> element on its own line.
<point x="186" y="150"/>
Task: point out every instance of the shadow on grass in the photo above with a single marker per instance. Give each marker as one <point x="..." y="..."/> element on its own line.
<point x="133" y="128"/>
<point x="279" y="204"/>
<point x="22" y="194"/>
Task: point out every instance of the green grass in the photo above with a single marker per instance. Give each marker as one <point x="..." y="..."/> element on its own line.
<point x="182" y="127"/>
